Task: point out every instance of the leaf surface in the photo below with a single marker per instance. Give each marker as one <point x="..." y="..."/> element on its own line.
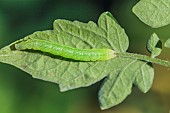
<point x="119" y="73"/>
<point x="155" y="13"/>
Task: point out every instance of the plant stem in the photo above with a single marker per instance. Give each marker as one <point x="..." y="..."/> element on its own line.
<point x="144" y="58"/>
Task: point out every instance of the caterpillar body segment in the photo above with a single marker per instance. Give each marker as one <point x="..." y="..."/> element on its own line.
<point x="66" y="51"/>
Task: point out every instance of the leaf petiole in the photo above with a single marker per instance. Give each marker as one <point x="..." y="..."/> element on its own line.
<point x="144" y="58"/>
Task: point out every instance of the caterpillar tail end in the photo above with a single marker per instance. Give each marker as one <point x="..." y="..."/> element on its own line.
<point x="19" y="47"/>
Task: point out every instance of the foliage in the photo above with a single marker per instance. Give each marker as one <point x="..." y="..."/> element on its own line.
<point x="119" y="73"/>
<point x="72" y="74"/>
<point x="154" y="13"/>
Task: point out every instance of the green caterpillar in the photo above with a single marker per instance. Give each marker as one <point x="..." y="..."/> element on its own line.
<point x="65" y="51"/>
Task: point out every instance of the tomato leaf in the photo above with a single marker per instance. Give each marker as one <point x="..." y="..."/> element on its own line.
<point x="120" y="73"/>
<point x="154" y="13"/>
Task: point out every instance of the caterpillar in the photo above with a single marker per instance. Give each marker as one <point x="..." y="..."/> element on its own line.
<point x="66" y="51"/>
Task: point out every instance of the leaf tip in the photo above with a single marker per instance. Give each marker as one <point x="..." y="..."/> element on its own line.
<point x="133" y="9"/>
<point x="104" y="106"/>
<point x="62" y="88"/>
<point x="167" y="43"/>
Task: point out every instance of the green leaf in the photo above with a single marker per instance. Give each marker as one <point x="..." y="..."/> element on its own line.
<point x="119" y="83"/>
<point x="108" y="30"/>
<point x="120" y="73"/>
<point x="155" y="13"/>
<point x="167" y="43"/>
<point x="116" y="35"/>
<point x="154" y="45"/>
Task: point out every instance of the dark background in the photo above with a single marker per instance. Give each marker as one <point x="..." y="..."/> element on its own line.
<point x="20" y="93"/>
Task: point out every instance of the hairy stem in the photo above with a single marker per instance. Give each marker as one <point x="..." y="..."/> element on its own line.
<point x="144" y="58"/>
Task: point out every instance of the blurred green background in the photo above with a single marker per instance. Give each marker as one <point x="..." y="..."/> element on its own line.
<point x="20" y="93"/>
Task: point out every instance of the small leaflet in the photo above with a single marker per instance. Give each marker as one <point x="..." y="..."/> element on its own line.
<point x="154" y="45"/>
